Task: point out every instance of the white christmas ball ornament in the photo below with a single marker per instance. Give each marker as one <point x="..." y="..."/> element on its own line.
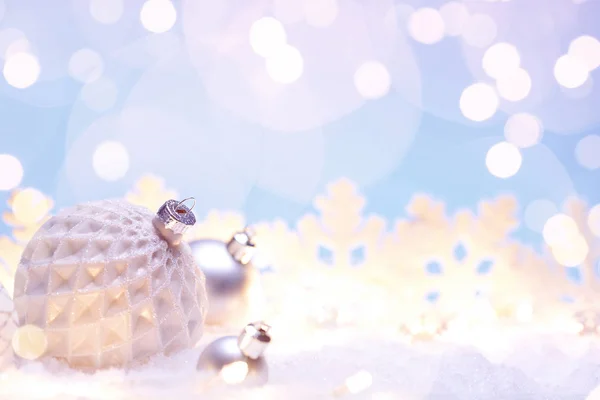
<point x="8" y="327"/>
<point x="111" y="284"/>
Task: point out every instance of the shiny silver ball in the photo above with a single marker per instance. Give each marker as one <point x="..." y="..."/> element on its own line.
<point x="229" y="276"/>
<point x="245" y="350"/>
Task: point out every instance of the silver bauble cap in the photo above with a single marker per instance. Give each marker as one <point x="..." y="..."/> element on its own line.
<point x="254" y="339"/>
<point x="241" y="247"/>
<point x="174" y="218"/>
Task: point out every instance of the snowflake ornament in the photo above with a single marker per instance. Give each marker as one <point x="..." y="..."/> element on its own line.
<point x="335" y="263"/>
<point x="432" y="271"/>
<point x="341" y="237"/>
<point x="463" y="264"/>
<point x="583" y="296"/>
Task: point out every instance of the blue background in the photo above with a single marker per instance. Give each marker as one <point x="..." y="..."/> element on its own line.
<point x="44" y="125"/>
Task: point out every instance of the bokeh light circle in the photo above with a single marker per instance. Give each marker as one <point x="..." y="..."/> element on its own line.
<point x="593" y="220"/>
<point x="523" y="130"/>
<point x="86" y="65"/>
<point x="285" y="65"/>
<point x="538" y="212"/>
<point x="158" y="16"/>
<point x="372" y="80"/>
<point x="503" y="160"/>
<point x="514" y="86"/>
<point x="79" y="179"/>
<point x="267" y="36"/>
<point x="21" y="70"/>
<point x="21" y="45"/>
<point x="501" y="60"/>
<point x="560" y="229"/>
<point x="570" y="72"/>
<point x="586" y="49"/>
<point x="8" y="37"/>
<point x="479" y="102"/>
<point x="320" y="13"/>
<point x="572" y="252"/>
<point x="426" y="25"/>
<point x="106" y="11"/>
<point x="29" y="342"/>
<point x="288" y="12"/>
<point x="455" y="15"/>
<point x="29" y="206"/>
<point x="397" y="17"/>
<point x="12" y="172"/>
<point x="587" y="152"/>
<point x="111" y="160"/>
<point x="479" y="30"/>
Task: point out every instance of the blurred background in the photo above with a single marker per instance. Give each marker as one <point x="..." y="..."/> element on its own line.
<point x="255" y="105"/>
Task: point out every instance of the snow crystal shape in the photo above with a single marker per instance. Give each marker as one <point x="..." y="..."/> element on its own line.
<point x="548" y="278"/>
<point x="107" y="290"/>
<point x="472" y="252"/>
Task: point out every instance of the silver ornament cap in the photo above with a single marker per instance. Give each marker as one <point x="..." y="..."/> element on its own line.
<point x="174" y="218"/>
<point x="254" y="339"/>
<point x="242" y="247"/>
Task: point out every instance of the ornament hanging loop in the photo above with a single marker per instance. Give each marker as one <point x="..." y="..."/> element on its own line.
<point x="173" y="219"/>
<point x="181" y="209"/>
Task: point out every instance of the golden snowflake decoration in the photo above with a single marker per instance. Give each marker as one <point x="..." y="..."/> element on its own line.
<point x="463" y="263"/>
<point x="579" y="251"/>
<point x="332" y="263"/>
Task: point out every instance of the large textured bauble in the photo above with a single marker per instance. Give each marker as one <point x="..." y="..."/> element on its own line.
<point x="8" y="327"/>
<point x="228" y="282"/>
<point x="107" y="289"/>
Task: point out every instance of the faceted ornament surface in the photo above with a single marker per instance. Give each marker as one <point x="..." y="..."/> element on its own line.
<point x="107" y="289"/>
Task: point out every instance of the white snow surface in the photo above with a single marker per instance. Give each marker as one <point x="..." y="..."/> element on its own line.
<point x="506" y="366"/>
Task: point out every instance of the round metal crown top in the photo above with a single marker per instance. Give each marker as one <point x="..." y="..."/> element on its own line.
<point x="176" y="216"/>
<point x="241" y="246"/>
<point x="254" y="339"/>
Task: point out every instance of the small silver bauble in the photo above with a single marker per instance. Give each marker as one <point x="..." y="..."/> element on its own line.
<point x="232" y="351"/>
<point x="229" y="274"/>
